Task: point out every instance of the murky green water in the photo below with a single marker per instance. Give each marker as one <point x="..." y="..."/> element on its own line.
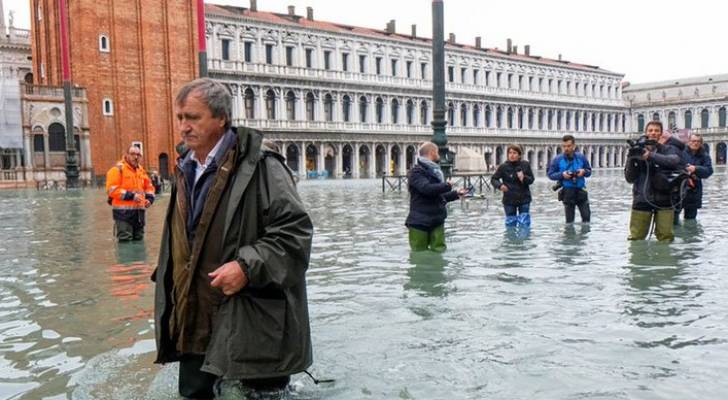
<point x="572" y="312"/>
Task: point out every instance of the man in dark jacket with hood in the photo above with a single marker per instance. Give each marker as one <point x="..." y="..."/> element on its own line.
<point x="652" y="175"/>
<point x="429" y="195"/>
<point x="698" y="167"/>
<point x="230" y="297"/>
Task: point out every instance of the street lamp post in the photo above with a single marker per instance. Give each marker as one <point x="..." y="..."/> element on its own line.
<point x="71" y="160"/>
<point x="439" y="136"/>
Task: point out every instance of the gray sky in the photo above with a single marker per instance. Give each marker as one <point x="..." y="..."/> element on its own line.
<point x="647" y="40"/>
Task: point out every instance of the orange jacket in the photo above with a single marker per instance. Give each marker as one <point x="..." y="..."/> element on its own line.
<point x="123" y="182"/>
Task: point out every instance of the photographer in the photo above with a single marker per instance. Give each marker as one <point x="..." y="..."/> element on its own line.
<point x="651" y="169"/>
<point x="513" y="178"/>
<point x="698" y="167"/>
<point x="570" y="169"/>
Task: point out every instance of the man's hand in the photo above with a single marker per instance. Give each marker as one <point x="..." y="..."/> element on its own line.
<point x="139" y="198"/>
<point x="229" y="277"/>
<point x="503" y="188"/>
<point x="646" y="155"/>
<point x="690" y="168"/>
<point x="566" y="175"/>
<point x="580" y="172"/>
<point x="462" y="192"/>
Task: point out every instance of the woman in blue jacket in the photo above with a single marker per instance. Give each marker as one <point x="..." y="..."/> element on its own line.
<point x="699" y="167"/>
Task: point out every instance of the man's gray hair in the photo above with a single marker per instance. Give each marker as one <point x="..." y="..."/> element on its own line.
<point x="426" y="148"/>
<point x="214" y="94"/>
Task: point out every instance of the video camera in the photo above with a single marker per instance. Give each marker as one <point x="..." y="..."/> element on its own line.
<point x="637" y="146"/>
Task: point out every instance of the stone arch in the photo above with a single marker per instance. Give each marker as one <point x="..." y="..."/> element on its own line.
<point x="499" y="155"/>
<point x="365" y="160"/>
<point x="411" y="156"/>
<point x="720" y="153"/>
<point x="347" y="160"/>
<point x="394" y="160"/>
<point x="329" y="153"/>
<point x="380" y="156"/>
<point x="293" y="154"/>
<point x="312" y="158"/>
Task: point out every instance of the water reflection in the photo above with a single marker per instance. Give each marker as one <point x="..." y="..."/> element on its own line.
<point x="427" y="274"/>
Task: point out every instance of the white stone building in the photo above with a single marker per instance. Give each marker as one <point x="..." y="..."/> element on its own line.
<point x="698" y="104"/>
<point x="356" y="101"/>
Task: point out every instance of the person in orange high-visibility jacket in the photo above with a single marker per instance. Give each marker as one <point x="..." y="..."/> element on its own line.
<point x="130" y="192"/>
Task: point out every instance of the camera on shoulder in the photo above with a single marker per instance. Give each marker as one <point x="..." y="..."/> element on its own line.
<point x="637" y="146"/>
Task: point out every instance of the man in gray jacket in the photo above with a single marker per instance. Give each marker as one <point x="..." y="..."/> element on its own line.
<point x="653" y="175"/>
<point x="230" y="297"/>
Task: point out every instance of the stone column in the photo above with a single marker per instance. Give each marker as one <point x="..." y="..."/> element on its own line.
<point x="372" y="173"/>
<point x="46" y="152"/>
<point x="259" y="103"/>
<point x="355" y="160"/>
<point x="321" y="157"/>
<point x="339" y="167"/>
<point x="402" y="170"/>
<point x="29" y="159"/>
<point x="388" y="159"/>
<point x="302" y="173"/>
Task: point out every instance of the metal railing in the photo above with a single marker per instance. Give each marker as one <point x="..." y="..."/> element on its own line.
<point x="53" y="91"/>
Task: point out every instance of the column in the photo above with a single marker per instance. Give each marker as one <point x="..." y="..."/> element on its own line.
<point x="259" y="103"/>
<point x="372" y="173"/>
<point x="402" y="170"/>
<point x="29" y="159"/>
<point x="388" y="159"/>
<point x="339" y="167"/>
<point x="355" y="159"/>
<point x="322" y="157"/>
<point x="46" y="152"/>
<point x="302" y="161"/>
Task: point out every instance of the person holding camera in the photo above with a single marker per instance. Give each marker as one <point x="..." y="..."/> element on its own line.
<point x="513" y="178"/>
<point x="653" y="171"/>
<point x="429" y="195"/>
<point x="570" y="170"/>
<point x="698" y="167"/>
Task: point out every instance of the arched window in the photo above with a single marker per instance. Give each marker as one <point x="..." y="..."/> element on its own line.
<point x="509" y="120"/>
<point x="329" y="107"/>
<point x="476" y="115"/>
<point x="656" y="116"/>
<point x="379" y="110"/>
<point x="38" y="143"/>
<point x="550" y="120"/>
<point x="346" y="108"/>
<point x="290" y="106"/>
<point x="28" y="78"/>
<point x="108" y="107"/>
<point x="463" y="115"/>
<point x="451" y="114"/>
<point x="721" y="117"/>
<point x="540" y="119"/>
<point x="498" y="117"/>
<point x="249" y="104"/>
<point x="270" y="104"/>
<point x="688" y="119"/>
<point x="309" y="106"/>
<point x="640" y="123"/>
<point x="104" y="43"/>
<point x="704" y="118"/>
<point x="362" y="109"/>
<point x="410" y="112"/>
<point x="395" y="111"/>
<point x="56" y="137"/>
<point x="488" y="113"/>
<point x="520" y="117"/>
<point x="601" y="122"/>
<point x="671" y="120"/>
<point x="423" y="113"/>
<point x="568" y="120"/>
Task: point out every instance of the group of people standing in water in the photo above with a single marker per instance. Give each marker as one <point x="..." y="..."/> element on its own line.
<point x="666" y="176"/>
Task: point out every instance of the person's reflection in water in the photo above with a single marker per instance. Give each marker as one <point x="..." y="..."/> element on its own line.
<point x="573" y="242"/>
<point x="690" y="231"/>
<point x="427" y="274"/>
<point x="131" y="252"/>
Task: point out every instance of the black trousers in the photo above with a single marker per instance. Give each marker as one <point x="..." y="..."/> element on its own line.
<point x="196" y="384"/>
<point x="574" y="198"/>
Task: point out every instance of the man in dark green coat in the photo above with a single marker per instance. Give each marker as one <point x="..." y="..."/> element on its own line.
<point x="230" y="298"/>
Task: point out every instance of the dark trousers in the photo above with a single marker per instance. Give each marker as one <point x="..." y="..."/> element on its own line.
<point x="690" y="213"/>
<point x="126" y="231"/>
<point x="196" y="384"/>
<point x="574" y="198"/>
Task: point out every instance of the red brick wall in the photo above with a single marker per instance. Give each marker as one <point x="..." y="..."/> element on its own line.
<point x="153" y="53"/>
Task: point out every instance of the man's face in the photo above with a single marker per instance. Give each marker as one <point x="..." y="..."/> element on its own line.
<point x="513" y="155"/>
<point x="434" y="155"/>
<point x="568" y="147"/>
<point x="695" y="143"/>
<point x="197" y="127"/>
<point x="653" y="132"/>
<point x="133" y="156"/>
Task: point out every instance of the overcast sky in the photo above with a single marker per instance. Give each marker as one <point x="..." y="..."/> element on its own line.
<point x="647" y="40"/>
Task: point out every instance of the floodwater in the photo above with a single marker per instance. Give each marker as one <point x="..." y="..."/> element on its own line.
<point x="569" y="312"/>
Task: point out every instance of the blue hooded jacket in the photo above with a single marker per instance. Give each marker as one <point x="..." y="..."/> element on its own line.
<point x="561" y="163"/>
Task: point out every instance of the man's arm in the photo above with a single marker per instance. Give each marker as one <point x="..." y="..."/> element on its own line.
<point x="587" y="166"/>
<point x="423" y="186"/>
<point x="706" y="170"/>
<point x="113" y="185"/>
<point x="554" y="172"/>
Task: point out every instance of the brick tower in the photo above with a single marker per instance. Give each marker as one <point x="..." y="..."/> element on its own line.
<point x="132" y="56"/>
